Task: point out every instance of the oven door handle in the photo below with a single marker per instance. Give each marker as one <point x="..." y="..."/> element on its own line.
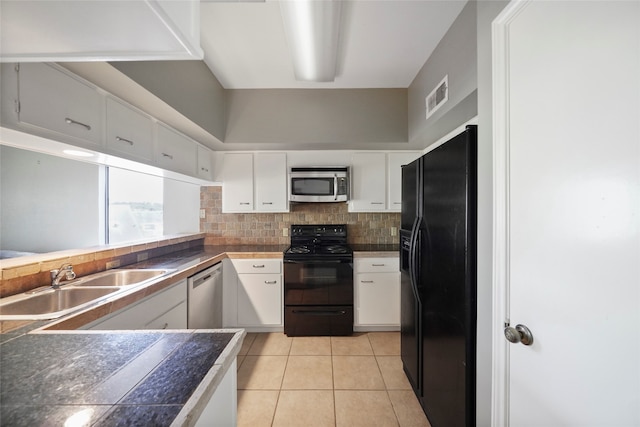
<point x="320" y="312"/>
<point x="318" y="261"/>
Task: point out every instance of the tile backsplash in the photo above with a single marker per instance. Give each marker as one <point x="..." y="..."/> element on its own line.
<point x="266" y="228"/>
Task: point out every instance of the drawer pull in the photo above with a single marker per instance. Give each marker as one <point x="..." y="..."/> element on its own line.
<point x="377" y="203"/>
<point x="377" y="265"/>
<point x="258" y="265"/>
<point x="74" y="122"/>
<point x="128" y="141"/>
<point x="267" y="203"/>
<point x="169" y="156"/>
<point x="366" y="281"/>
<point x="245" y="203"/>
<point x="397" y="203"/>
<point x="204" y="169"/>
<point x="270" y="282"/>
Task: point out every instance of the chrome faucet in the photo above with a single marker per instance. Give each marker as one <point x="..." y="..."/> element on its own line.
<point x="65" y="271"/>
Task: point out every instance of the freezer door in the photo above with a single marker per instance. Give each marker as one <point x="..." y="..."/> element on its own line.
<point x="410" y="316"/>
<point x="409" y="194"/>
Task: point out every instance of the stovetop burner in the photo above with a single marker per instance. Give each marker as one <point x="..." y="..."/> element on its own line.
<point x="319" y="241"/>
<point x="336" y="249"/>
<point x="299" y="250"/>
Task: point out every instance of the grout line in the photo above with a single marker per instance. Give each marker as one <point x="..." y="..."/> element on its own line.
<point x="333" y="384"/>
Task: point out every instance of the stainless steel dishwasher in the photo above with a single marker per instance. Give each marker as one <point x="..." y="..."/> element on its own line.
<point x="204" y="299"/>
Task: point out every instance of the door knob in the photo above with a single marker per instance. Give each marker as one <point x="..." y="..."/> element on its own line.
<point x="518" y="334"/>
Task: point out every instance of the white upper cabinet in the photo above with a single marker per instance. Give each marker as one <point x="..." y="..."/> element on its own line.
<point x="37" y="31"/>
<point x="237" y="182"/>
<point x="129" y="132"/>
<point x="254" y="182"/>
<point x="205" y="163"/>
<point x="394" y="177"/>
<point x="51" y="102"/>
<point x="368" y="176"/>
<point x="176" y="152"/>
<point x="376" y="180"/>
<point x="54" y="101"/>
<point x="270" y="172"/>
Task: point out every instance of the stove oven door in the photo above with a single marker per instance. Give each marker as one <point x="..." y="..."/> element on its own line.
<point x="318" y="282"/>
<point x="318" y="297"/>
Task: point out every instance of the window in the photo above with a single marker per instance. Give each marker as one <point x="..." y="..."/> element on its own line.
<point x="135" y="205"/>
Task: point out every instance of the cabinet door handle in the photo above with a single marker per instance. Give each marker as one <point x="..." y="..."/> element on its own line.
<point x="397" y="203"/>
<point x="165" y="326"/>
<point x="245" y="203"/>
<point x="366" y="281"/>
<point x="258" y="265"/>
<point x="168" y="155"/>
<point x="74" y="122"/>
<point x="270" y="282"/>
<point x="377" y="265"/>
<point x="267" y="203"/>
<point x="128" y="141"/>
<point x="204" y="169"/>
<point x="377" y="203"/>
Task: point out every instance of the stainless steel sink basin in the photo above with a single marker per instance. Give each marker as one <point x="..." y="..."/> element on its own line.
<point x="53" y="303"/>
<point x="74" y="295"/>
<point x="124" y="277"/>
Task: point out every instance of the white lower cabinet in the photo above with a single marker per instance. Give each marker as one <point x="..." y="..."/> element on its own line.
<point x="222" y="408"/>
<point x="259" y="299"/>
<point x="253" y="294"/>
<point x="377" y="292"/>
<point x="166" y="309"/>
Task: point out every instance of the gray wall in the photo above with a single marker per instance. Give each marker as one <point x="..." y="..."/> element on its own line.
<point x="487" y="11"/>
<point x="308" y="116"/>
<point x="455" y="56"/>
<point x="48" y="203"/>
<point x="187" y="86"/>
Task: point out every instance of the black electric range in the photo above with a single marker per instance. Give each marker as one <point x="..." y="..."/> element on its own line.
<point x="318" y="281"/>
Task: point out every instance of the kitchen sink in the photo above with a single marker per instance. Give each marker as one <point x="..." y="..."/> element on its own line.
<point x="124" y="277"/>
<point x="53" y="303"/>
<point x="74" y="295"/>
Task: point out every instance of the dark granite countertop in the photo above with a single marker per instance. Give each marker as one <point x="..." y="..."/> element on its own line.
<point x="125" y="378"/>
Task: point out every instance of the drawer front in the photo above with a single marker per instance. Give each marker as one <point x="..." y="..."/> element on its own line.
<point x="175" y="318"/>
<point x="376" y="265"/>
<point x="258" y="266"/>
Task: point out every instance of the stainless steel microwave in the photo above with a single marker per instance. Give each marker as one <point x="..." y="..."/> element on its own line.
<point x="319" y="184"/>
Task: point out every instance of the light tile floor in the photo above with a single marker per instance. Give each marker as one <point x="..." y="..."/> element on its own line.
<point x="325" y="381"/>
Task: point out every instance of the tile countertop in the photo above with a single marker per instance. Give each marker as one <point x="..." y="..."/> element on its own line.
<point x="186" y="263"/>
<point x="124" y="378"/>
<point x="50" y="372"/>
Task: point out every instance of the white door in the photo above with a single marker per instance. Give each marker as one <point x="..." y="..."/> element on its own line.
<point x="567" y="248"/>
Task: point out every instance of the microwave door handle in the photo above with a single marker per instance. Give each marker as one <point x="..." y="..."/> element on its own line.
<point x="335" y="186"/>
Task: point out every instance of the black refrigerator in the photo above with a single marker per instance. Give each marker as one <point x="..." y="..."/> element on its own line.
<point x="438" y="279"/>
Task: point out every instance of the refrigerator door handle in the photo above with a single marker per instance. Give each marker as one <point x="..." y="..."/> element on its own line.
<point x="413" y="268"/>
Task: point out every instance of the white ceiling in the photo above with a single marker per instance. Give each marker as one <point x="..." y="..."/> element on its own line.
<point x="383" y="43"/>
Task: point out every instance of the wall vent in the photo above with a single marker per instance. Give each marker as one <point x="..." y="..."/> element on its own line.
<point x="438" y="96"/>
